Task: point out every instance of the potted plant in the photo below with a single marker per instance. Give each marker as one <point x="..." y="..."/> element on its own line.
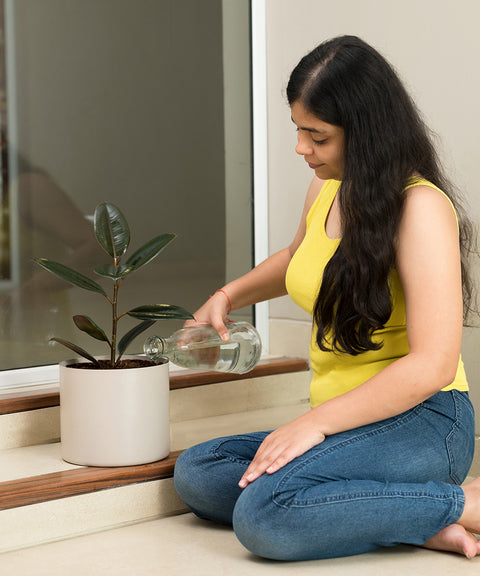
<point x="114" y="410"/>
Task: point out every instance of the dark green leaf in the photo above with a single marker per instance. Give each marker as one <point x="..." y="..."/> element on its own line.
<point x="111" y="229"/>
<point x="86" y="324"/>
<point x="132" y="334"/>
<point x="148" y="252"/>
<point x="77" y="350"/>
<point x="160" y="312"/>
<point x="70" y="275"/>
<point x="109" y="271"/>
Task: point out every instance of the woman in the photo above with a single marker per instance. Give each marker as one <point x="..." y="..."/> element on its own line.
<point x="378" y="261"/>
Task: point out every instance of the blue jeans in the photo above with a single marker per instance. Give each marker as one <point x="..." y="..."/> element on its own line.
<point x="395" y="481"/>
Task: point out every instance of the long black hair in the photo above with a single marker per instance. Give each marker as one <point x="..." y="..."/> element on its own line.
<point x="347" y="83"/>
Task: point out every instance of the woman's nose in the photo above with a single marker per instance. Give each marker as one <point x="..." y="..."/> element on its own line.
<point x="304" y="146"/>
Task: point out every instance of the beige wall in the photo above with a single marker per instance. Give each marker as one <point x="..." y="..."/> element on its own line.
<point x="434" y="46"/>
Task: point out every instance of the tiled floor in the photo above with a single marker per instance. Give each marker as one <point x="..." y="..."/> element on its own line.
<point x="184" y="546"/>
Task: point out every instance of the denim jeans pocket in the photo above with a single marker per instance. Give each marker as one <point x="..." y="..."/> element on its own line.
<point x="460" y="442"/>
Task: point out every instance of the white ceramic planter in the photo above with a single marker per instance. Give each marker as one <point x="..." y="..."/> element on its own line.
<point x="114" y="417"/>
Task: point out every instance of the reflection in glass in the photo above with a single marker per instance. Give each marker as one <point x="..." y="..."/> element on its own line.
<point x="145" y="104"/>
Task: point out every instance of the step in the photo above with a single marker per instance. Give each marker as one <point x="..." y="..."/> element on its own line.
<point x="43" y="498"/>
<point x="32" y="416"/>
<point x="73" y="500"/>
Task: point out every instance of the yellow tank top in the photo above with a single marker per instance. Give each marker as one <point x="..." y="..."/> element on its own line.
<point x="334" y="373"/>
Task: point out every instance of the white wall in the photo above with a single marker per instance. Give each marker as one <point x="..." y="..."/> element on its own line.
<point x="434" y="46"/>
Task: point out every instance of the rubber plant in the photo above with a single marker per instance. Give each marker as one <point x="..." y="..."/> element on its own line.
<point x="113" y="234"/>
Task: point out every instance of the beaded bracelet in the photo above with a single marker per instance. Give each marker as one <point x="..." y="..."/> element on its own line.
<point x="228" y="298"/>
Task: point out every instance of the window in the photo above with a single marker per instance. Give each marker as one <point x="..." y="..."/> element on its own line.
<point x="145" y="104"/>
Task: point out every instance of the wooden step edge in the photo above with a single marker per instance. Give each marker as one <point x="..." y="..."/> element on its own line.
<point x="56" y="485"/>
<point x="35" y="399"/>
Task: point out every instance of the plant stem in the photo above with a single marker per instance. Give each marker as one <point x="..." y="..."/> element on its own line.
<point x="113" y="350"/>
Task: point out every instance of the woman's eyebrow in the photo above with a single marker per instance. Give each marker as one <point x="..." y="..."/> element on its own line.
<point x="308" y="129"/>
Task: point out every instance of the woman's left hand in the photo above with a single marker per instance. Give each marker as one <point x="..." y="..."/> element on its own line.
<point x="282" y="446"/>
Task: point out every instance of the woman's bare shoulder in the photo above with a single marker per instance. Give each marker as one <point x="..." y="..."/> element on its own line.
<point x="314" y="190"/>
<point x="425" y="203"/>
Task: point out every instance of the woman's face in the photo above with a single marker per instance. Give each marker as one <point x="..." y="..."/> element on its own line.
<point x="321" y="144"/>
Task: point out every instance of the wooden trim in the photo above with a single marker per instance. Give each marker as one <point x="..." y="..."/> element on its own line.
<point x="268" y="367"/>
<point x="56" y="485"/>
<point x="33" y="400"/>
<point x="25" y="401"/>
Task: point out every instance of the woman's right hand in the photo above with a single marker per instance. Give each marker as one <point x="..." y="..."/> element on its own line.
<point x="213" y="312"/>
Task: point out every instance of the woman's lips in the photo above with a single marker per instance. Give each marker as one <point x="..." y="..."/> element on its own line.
<point x="314" y="166"/>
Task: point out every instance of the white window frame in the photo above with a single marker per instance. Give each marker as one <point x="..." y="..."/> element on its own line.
<point x="260" y="153"/>
<point x="45" y="375"/>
